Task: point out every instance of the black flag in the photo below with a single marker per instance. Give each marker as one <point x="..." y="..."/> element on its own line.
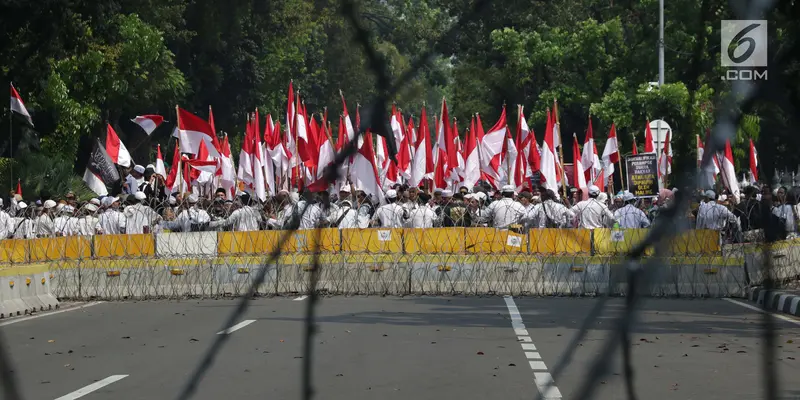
<point x="100" y="170"/>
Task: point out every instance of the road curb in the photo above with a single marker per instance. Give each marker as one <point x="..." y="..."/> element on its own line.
<point x="776" y="300"/>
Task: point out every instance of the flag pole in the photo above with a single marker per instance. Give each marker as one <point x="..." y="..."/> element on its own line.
<point x="619" y="164"/>
<point x="11" y="145"/>
<point x="560" y="151"/>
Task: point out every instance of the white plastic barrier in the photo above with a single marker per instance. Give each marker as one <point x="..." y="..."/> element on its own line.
<point x="25" y="294"/>
<point x="186" y="244"/>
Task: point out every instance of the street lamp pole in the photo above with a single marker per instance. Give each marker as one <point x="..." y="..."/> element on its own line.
<point x="660" y="42"/>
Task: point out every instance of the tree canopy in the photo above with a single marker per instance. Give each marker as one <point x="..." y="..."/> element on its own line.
<point x="79" y="64"/>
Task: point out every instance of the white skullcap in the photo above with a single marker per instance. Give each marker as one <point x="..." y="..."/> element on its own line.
<point x="710" y="194"/>
<point x="140" y="196"/>
<point x="193" y="198"/>
<point x="173" y="200"/>
<point x="139" y="169"/>
<point x="602" y="197"/>
<point x="95" y="201"/>
<point x="345" y="188"/>
<point x="391" y="194"/>
<point x="49" y="204"/>
<point x="21" y="205"/>
<point x="283" y="191"/>
<point x="447" y="193"/>
<point x="722" y="197"/>
<point x="594" y="189"/>
<point x="508" y="189"/>
<point x="60" y="206"/>
<point x="91" y="207"/>
<point x="68" y="209"/>
<point x="627" y="196"/>
<point x="150" y="166"/>
<point x="107" y="201"/>
<point x="469" y="196"/>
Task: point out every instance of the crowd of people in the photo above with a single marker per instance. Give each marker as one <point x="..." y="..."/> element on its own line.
<point x="145" y="207"/>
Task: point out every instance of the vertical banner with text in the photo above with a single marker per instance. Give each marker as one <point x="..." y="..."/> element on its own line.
<point x="643" y="174"/>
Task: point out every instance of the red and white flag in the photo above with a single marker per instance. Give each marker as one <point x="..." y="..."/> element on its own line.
<point x="753" y="163"/>
<point x="491" y="150"/>
<point x="578" y="175"/>
<point x="712" y="170"/>
<point x="116" y="149"/>
<point x="245" y="171"/>
<point x="149" y="123"/>
<point x="610" y="153"/>
<point x="19" y="187"/>
<point x="548" y="159"/>
<point x="728" y="172"/>
<point x="422" y="164"/>
<point x="649" y="143"/>
<point x="510" y="158"/>
<point x="176" y="181"/>
<point x="521" y="170"/>
<point x="665" y="163"/>
<point x="387" y="169"/>
<point x="160" y="168"/>
<point x="259" y="172"/>
<point x="18" y="106"/>
<point x="364" y="172"/>
<point x="228" y="177"/>
<point x="192" y="130"/>
<point x="589" y="158"/>
<point x="472" y="166"/>
<point x="635" y="149"/>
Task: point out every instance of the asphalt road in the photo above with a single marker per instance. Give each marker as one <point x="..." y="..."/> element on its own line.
<point x="394" y="348"/>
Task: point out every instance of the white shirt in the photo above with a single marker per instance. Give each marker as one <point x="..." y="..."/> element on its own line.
<point x="592" y="214"/>
<point x="630" y="217"/>
<point x="138" y="216"/>
<point x="534" y="217"/>
<point x="24" y="228"/>
<point x="132" y="183"/>
<point x="44" y="226"/>
<point x="391" y="215"/>
<point x="350" y="219"/>
<point x="422" y="216"/>
<point x="86" y="226"/>
<point x="111" y="222"/>
<point x="312" y="215"/>
<point x="245" y="219"/>
<point x="785" y="211"/>
<point x="6" y="225"/>
<point x="65" y="225"/>
<point x="192" y="215"/>
<point x="557" y="213"/>
<point x="714" y="216"/>
<point x="505" y="212"/>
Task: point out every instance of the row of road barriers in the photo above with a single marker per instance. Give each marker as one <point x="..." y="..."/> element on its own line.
<point x="25" y="291"/>
<point x="440" y="261"/>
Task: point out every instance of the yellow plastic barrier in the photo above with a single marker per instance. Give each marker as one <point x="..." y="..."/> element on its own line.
<point x="560" y="241"/>
<point x="702" y="241"/>
<point x="434" y="240"/>
<point x="372" y="240"/>
<point x="254" y="242"/>
<point x="330" y="240"/>
<point x="13" y="251"/>
<point x="693" y="242"/>
<point x="60" y="248"/>
<point x="129" y="246"/>
<point x="491" y="240"/>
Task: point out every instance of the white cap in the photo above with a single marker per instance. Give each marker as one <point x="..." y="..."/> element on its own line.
<point x="469" y="196"/>
<point x="68" y="209"/>
<point x="150" y="166"/>
<point x="60" y="206"/>
<point x="21" y="205"/>
<point x="722" y="197"/>
<point x="193" y="198"/>
<point x="594" y="189"/>
<point x="391" y="194"/>
<point x="710" y="194"/>
<point x="95" y="201"/>
<point x="173" y="200"/>
<point x="508" y="189"/>
<point x="49" y="204"/>
<point x="345" y="188"/>
<point x="140" y="196"/>
<point x="447" y="193"/>
<point x="438" y="190"/>
<point x="91" y="207"/>
<point x="480" y="196"/>
<point x="139" y="169"/>
<point x="627" y="196"/>
<point x="107" y="201"/>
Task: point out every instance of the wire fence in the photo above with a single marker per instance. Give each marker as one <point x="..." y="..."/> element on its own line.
<point x="633" y="275"/>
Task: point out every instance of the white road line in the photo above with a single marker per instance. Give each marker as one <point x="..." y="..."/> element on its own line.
<point x="91" y="388"/>
<point x="301" y="298"/>
<point x="49" y="313"/>
<point x="542" y="378"/>
<point x="236" y="327"/>
<point x="754" y="308"/>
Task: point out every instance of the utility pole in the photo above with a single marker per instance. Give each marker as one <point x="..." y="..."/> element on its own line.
<point x="660" y="43"/>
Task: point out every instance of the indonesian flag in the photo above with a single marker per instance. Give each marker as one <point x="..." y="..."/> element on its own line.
<point x="649" y="144"/>
<point x="579" y="177"/>
<point x="509" y="164"/>
<point x="711" y="171"/>
<point x="440" y="157"/>
<point x="591" y="162"/>
<point x="491" y="150"/>
<point x="259" y="174"/>
<point x="412" y="141"/>
<point x="472" y="165"/>
<point x="535" y="152"/>
<point x="228" y="177"/>
<point x="18" y="106"/>
<point x="245" y="172"/>
<point x="351" y="133"/>
<point x="635" y="146"/>
<point x="266" y="157"/>
<point x="211" y="122"/>
<point x="560" y="174"/>
<point x="364" y="173"/>
<point x="176" y="181"/>
<point x="289" y="143"/>
<point x="19" y="187"/>
<point x="610" y="153"/>
<point x="149" y="123"/>
<point x="327" y="154"/>
<point x="753" y="163"/>
<point x="160" y="168"/>
<point x="728" y="172"/>
<point x="548" y="167"/>
<point x="192" y="130"/>
<point x="665" y="164"/>
<point x="387" y="170"/>
<point x="401" y="138"/>
<point x="116" y="149"/>
<point x="521" y="169"/>
<point x="458" y="173"/>
<point x="203" y="172"/>
<point x="422" y="164"/>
